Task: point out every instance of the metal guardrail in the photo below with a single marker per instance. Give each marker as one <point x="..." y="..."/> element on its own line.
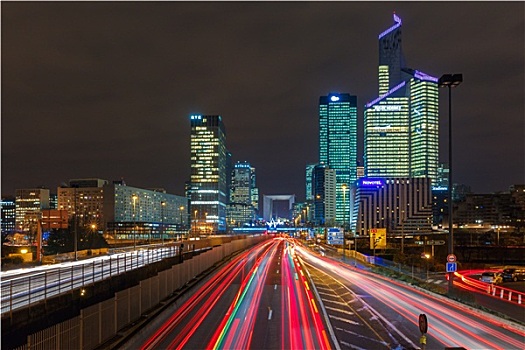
<point x="500" y="292"/>
<point x="37" y="286"/>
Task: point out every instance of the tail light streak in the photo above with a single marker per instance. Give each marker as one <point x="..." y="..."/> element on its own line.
<point x="451" y="323"/>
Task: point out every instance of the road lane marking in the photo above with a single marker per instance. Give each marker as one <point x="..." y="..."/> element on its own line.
<point x="344" y="320"/>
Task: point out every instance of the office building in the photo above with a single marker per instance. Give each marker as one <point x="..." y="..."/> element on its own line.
<point x="54" y="219"/>
<point x="83" y="199"/>
<point x="401" y="125"/>
<point x="29" y="204"/>
<point x="324" y="196"/>
<point x="399" y="205"/>
<point x="309" y="173"/>
<point x="255" y="191"/>
<point x="209" y="189"/>
<point x="8" y="215"/>
<point x="241" y="209"/>
<point x="132" y="213"/>
<point x="338" y="142"/>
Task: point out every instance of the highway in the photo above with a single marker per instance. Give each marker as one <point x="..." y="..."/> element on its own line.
<point x="264" y="299"/>
<point x="370" y="311"/>
<point x="260" y="299"/>
<point x="281" y="295"/>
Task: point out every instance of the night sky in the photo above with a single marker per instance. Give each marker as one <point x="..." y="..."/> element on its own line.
<point x="105" y="89"/>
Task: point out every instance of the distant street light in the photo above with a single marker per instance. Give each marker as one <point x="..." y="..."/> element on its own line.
<point x="181" y="208"/>
<point x="134" y="197"/>
<point x="450" y="81"/>
<point x="344" y="217"/>
<point x="195" y="224"/>
<point x="162" y="205"/>
<point x="75" y="223"/>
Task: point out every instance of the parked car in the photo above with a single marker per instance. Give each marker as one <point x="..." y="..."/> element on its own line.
<point x="513" y="274"/>
<point x="491" y="277"/>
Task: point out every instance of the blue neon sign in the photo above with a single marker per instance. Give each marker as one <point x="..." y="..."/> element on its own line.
<point x="372" y="182"/>
<point x="394" y="27"/>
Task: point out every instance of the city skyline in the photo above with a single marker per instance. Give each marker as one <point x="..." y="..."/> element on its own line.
<point x="106" y="90"/>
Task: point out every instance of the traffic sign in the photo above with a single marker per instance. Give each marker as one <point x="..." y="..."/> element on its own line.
<point x="431" y="242"/>
<point x="452" y="267"/>
<point x="451" y="258"/>
<point x="423" y="324"/>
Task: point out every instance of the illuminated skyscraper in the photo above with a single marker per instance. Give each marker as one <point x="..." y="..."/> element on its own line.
<point x="338" y="142"/>
<point x="309" y="174"/>
<point x="401" y="125"/>
<point x="208" y="174"/>
<point x="243" y="202"/>
<point x="324" y="195"/>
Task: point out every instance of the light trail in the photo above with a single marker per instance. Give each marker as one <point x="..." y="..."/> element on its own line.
<point x="450" y="324"/>
<point x="232" y="333"/>
<point x="208" y="295"/>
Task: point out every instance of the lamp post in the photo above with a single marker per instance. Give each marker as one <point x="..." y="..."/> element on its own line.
<point x="195" y="224"/>
<point x="75" y="223"/>
<point x="449" y="81"/>
<point x="344" y="217"/>
<point x="162" y="205"/>
<point x="181" y="208"/>
<point x="134" y="198"/>
<point x="93" y="229"/>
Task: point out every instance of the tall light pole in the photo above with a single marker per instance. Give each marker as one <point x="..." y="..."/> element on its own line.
<point x="344" y="217"/>
<point x="181" y="208"/>
<point x="162" y="205"/>
<point x="75" y="223"/>
<point x="206" y="223"/>
<point x="93" y="229"/>
<point x="134" y="197"/>
<point x="450" y="81"/>
<point x="195" y="224"/>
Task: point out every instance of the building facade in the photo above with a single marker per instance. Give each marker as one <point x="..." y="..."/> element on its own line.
<point x="401" y="126"/>
<point x="83" y="199"/>
<point x="400" y="205"/>
<point x="338" y="142"/>
<point x="8" y="215"/>
<point x="324" y="184"/>
<point x="241" y="209"/>
<point x="209" y="188"/>
<point x="308" y="180"/>
<point x="29" y="204"/>
<point x="133" y="213"/>
<point x="255" y="191"/>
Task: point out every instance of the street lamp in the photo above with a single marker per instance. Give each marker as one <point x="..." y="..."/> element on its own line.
<point x="162" y="205"/>
<point x="195" y="224"/>
<point x="449" y="81"/>
<point x="75" y="223"/>
<point x="181" y="208"/>
<point x="134" y="197"/>
<point x="344" y="217"/>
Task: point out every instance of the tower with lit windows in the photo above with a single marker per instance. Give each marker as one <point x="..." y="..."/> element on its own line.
<point x="243" y="202"/>
<point x="338" y="142"/>
<point x="208" y="174"/>
<point x="401" y="124"/>
<point x="324" y="195"/>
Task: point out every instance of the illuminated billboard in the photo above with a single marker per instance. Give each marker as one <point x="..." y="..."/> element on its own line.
<point x="377" y="238"/>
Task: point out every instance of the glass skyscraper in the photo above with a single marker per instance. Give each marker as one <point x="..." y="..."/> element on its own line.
<point x="208" y="194"/>
<point x="401" y="125"/>
<point x="338" y="143"/>
<point x="244" y="195"/>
